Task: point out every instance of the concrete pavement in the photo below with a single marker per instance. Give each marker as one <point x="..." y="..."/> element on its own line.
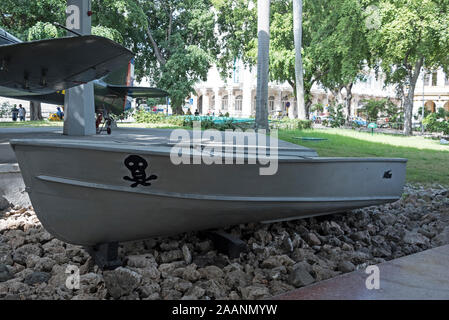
<point x="422" y="276"/>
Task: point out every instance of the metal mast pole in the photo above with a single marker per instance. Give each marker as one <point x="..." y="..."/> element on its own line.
<point x="79" y="107"/>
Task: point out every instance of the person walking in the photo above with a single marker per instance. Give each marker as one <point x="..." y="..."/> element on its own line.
<point x="22" y="113"/>
<point x="15" y="113"/>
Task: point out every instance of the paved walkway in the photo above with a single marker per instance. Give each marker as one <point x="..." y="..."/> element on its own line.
<point x="421" y="276"/>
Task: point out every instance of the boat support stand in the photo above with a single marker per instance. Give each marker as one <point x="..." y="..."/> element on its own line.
<point x="226" y="243"/>
<point x="105" y="255"/>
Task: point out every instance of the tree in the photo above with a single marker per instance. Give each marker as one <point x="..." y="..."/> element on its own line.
<point x="299" y="76"/>
<point x="263" y="36"/>
<point x="35" y="111"/>
<point x="175" y="43"/>
<point x="18" y="16"/>
<point x="340" y="43"/>
<point x="412" y="34"/>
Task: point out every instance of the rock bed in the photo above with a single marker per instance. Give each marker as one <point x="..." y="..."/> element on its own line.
<point x="281" y="257"/>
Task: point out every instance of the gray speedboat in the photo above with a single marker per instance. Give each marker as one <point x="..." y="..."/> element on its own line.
<point x="104" y="190"/>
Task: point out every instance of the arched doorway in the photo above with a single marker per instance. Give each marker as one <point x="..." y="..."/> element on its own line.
<point x="431" y="106"/>
<point x="238" y="103"/>
<point x="446" y="106"/>
<point x="224" y="103"/>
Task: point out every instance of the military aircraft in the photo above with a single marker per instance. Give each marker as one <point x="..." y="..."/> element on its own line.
<point x="42" y="70"/>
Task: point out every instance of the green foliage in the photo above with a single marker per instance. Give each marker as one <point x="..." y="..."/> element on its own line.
<point x="43" y="30"/>
<point x="18" y="16"/>
<point x="109" y="33"/>
<point x="294" y="124"/>
<point x="5" y="109"/>
<point x="411" y="34"/>
<point x="337" y="117"/>
<point x="318" y="107"/>
<point x="373" y="109"/>
<point x="176" y="43"/>
<point x="435" y="123"/>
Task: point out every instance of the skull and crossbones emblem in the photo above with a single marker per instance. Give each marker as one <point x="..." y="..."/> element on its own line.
<point x="138" y="165"/>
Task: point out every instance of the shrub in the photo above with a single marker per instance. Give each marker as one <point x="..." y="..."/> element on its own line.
<point x="5" y="109"/>
<point x="336" y="116"/>
<point x="434" y="123"/>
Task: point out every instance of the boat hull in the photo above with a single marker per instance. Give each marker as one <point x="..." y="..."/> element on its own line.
<point x="80" y="195"/>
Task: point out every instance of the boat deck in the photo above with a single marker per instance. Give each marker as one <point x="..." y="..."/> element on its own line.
<point x="424" y="275"/>
<point x="123" y="136"/>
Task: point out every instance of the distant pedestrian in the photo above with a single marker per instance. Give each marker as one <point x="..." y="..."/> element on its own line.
<point x="197" y="113"/>
<point x="60" y="113"/>
<point x="15" y="113"/>
<point x="22" y="113"/>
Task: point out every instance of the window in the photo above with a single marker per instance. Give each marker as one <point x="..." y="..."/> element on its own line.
<point x="271" y="104"/>
<point x="224" y="103"/>
<point x="427" y="79"/>
<point x="238" y="103"/>
<point x="434" y="79"/>
<point x="446" y="82"/>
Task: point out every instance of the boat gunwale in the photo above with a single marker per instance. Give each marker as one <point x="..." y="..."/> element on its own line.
<point x="97" y="146"/>
<point x="191" y="196"/>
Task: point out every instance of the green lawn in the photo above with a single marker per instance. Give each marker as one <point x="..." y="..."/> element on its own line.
<point x="20" y="124"/>
<point x="428" y="160"/>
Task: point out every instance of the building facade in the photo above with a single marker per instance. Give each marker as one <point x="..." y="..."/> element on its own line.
<point x="432" y="91"/>
<point x="237" y="94"/>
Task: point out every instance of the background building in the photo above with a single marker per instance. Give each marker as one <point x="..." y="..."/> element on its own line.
<point x="237" y="94"/>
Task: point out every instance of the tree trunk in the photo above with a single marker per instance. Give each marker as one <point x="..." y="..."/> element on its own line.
<point x="263" y="26"/>
<point x="348" y="100"/>
<point x="299" y="72"/>
<point x="408" y="103"/>
<point x="35" y="111"/>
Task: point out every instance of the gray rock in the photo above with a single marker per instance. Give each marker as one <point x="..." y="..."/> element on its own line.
<point x="254" y="292"/>
<point x="300" y="277"/>
<point x="21" y="254"/>
<point x="415" y="238"/>
<point x="121" y="282"/>
<point x="37" y="277"/>
<point x="195" y="292"/>
<point x="237" y="278"/>
<point x="287" y="244"/>
<point x="147" y="290"/>
<point x="183" y="285"/>
<point x="442" y="238"/>
<point x="263" y="236"/>
<point x="5" y="254"/>
<point x="204" y="246"/>
<point x="170" y="246"/>
<point x="313" y="240"/>
<point x="346" y="266"/>
<point x="211" y="272"/>
<point x="170" y="256"/>
<point x="213" y="288"/>
<point x="4" y="204"/>
<point x="190" y="273"/>
<point x="187" y="255"/>
<point x="141" y="261"/>
<point x="5" y="274"/>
